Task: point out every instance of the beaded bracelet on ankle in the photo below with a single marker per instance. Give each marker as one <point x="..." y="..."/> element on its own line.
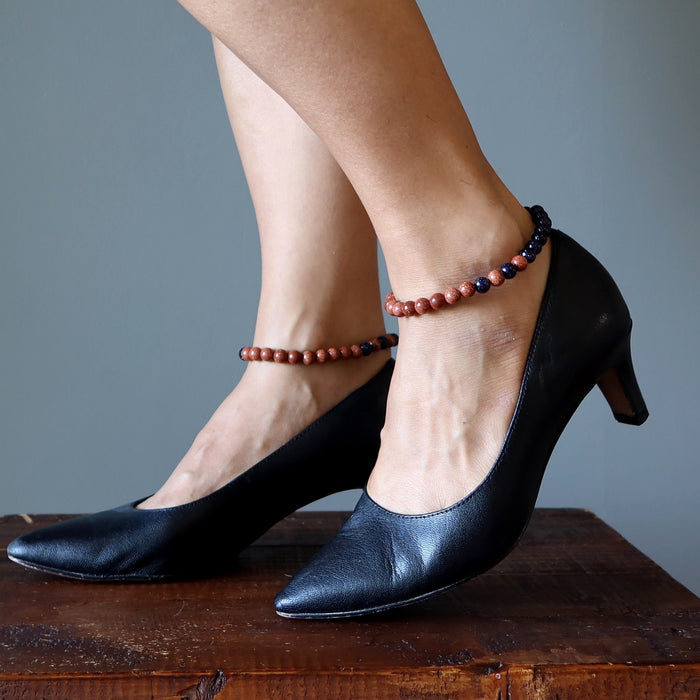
<point x="495" y="278"/>
<point x="309" y="357"/>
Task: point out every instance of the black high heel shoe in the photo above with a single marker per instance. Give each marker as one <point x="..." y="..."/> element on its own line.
<point x="202" y="538"/>
<point x="381" y="560"/>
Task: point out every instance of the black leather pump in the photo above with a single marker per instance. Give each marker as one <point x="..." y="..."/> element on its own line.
<point x="381" y="560"/>
<point x="202" y="538"/>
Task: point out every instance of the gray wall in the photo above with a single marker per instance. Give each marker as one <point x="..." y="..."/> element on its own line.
<point x="128" y="271"/>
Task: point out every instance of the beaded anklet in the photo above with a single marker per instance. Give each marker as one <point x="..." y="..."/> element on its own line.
<point x="495" y="278"/>
<point x="309" y="357"/>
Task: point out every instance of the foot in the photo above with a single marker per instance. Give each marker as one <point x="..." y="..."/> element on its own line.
<point x="455" y="385"/>
<point x="271" y="404"/>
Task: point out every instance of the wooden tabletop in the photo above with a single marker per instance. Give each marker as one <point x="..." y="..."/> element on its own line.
<point x="574" y="612"/>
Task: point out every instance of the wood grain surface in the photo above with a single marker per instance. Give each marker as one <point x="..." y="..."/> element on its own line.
<point x="574" y="612"/>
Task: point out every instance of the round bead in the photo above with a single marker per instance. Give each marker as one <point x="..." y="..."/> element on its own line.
<point x="366" y="348"/>
<point x="467" y="289"/>
<point x="534" y="247"/>
<point x="528" y="255"/>
<point x="267" y="355"/>
<point x="295" y="357"/>
<point x="508" y="270"/>
<point x="333" y="354"/>
<point x="496" y="277"/>
<point x="280" y="356"/>
<point x="244" y="353"/>
<point x="437" y="301"/>
<point x="321" y="355"/>
<point x="408" y="308"/>
<point x="356" y="350"/>
<point x="345" y="352"/>
<point x="540" y="238"/>
<point x="376" y="345"/>
<point x="422" y="305"/>
<point x="393" y="339"/>
<point x="254" y="354"/>
<point x="308" y="357"/>
<point x="482" y="285"/>
<point x="383" y="342"/>
<point x="518" y="262"/>
<point x="452" y="295"/>
<point x="397" y="309"/>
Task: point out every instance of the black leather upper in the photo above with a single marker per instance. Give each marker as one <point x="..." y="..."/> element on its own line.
<point x="201" y="538"/>
<point x="382" y="559"/>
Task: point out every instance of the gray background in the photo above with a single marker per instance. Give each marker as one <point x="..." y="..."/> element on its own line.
<point x="129" y="263"/>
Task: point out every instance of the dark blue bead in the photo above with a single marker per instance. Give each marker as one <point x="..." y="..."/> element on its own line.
<point x="534" y="247"/>
<point x="366" y="348"/>
<point x="540" y="238"/>
<point x="240" y="354"/>
<point x="482" y="285"/>
<point x="528" y="255"/>
<point x="383" y="342"/>
<point x="509" y="270"/>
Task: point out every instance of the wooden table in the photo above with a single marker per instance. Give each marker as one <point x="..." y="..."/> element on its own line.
<point x="574" y="612"/>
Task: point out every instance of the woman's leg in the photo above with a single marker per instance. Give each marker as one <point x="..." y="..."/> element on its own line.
<point x="319" y="288"/>
<point x="367" y="78"/>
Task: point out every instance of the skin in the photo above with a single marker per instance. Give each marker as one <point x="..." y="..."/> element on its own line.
<point x="368" y="81"/>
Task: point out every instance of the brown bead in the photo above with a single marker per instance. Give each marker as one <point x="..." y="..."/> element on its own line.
<point x="254" y="354"/>
<point x="376" y="344"/>
<point x="280" y="356"/>
<point x="356" y="350"/>
<point x="397" y="309"/>
<point x="467" y="289"/>
<point x="245" y="353"/>
<point x="409" y="308"/>
<point x="267" y="355"/>
<point x="437" y="301"/>
<point x="295" y="357"/>
<point x="308" y="357"/>
<point x="345" y="352"/>
<point x="422" y="305"/>
<point x="520" y="262"/>
<point x="452" y="295"/>
<point x="496" y="278"/>
<point x="333" y="354"/>
<point x="321" y="355"/>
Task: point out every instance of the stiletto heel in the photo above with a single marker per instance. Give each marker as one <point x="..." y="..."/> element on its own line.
<point x="621" y="391"/>
<point x="202" y="538"/>
<point x="380" y="559"/>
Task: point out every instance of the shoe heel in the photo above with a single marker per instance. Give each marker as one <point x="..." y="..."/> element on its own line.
<point x="621" y="391"/>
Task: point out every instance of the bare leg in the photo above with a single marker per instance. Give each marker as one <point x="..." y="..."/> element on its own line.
<point x="368" y="79"/>
<point x="319" y="288"/>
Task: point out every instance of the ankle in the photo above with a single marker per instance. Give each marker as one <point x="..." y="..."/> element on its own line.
<point x="473" y="240"/>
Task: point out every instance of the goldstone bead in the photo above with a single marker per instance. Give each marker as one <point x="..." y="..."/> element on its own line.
<point x="452" y="295"/>
<point x="496" y="277"/>
<point x="422" y="305"/>
<point x="467" y="289"/>
<point x="437" y="301"/>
